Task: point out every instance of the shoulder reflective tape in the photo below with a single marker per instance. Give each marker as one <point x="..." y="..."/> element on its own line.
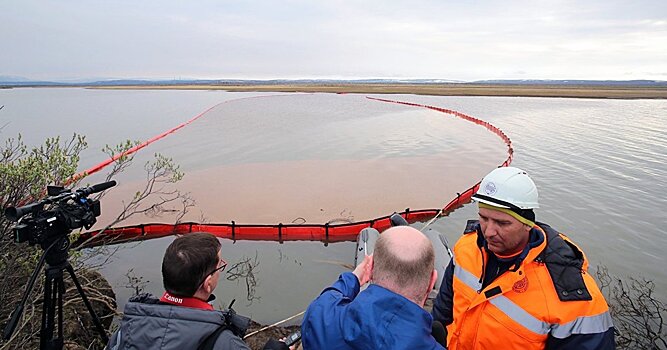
<point x="520" y="316"/>
<point x="467" y="278"/>
<point x="584" y="325"/>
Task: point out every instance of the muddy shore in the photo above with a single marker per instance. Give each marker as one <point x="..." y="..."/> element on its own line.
<point x="509" y="90"/>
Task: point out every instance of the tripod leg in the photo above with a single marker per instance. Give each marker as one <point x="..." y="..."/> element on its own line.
<point x="53" y="298"/>
<point x="61" y="293"/>
<point x="18" y="311"/>
<point x="96" y="320"/>
<point x="46" y="331"/>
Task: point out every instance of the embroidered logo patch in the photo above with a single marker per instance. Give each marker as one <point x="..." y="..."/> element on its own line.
<point x="490" y="188"/>
<point x="174" y="299"/>
<point x="521" y="285"/>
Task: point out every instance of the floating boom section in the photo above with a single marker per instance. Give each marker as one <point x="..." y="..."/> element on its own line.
<point x="286" y="232"/>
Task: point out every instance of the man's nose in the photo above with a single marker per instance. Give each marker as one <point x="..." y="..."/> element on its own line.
<point x="491" y="230"/>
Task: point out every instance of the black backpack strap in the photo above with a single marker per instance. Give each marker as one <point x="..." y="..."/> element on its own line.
<point x="232" y="322"/>
<point x="209" y="342"/>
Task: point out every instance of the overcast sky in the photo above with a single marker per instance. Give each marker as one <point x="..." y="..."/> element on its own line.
<point x="245" y="39"/>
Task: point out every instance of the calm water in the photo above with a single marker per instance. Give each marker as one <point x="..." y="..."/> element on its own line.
<point x="599" y="164"/>
<point x="321" y="157"/>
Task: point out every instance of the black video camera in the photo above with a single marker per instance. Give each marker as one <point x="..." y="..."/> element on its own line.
<point x="56" y="215"/>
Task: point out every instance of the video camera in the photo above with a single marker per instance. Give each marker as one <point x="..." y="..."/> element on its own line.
<point x="47" y="223"/>
<point x="56" y="215"/>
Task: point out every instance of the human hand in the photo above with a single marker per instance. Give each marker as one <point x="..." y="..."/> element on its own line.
<point x="293" y="347"/>
<point x="273" y="344"/>
<point x="364" y="270"/>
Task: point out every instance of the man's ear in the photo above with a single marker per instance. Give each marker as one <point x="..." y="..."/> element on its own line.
<point x="431" y="284"/>
<point x="207" y="286"/>
<point x="434" y="277"/>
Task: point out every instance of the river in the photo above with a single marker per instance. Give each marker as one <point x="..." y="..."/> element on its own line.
<point x="268" y="158"/>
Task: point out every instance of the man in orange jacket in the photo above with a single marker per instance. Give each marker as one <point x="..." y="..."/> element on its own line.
<point x="517" y="284"/>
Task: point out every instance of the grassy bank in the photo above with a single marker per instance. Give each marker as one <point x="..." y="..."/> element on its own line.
<point x="516" y="90"/>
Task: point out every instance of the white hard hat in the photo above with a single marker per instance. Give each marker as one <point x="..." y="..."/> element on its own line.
<point x="508" y="187"/>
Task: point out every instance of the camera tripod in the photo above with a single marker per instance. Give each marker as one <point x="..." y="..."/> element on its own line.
<point x="55" y="256"/>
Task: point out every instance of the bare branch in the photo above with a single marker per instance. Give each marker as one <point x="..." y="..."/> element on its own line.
<point x="245" y="269"/>
<point x="638" y="316"/>
<point x="135" y="282"/>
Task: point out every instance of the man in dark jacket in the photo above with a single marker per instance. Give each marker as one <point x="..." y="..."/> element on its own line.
<point x="515" y="283"/>
<point x="183" y="318"/>
<point x="389" y="313"/>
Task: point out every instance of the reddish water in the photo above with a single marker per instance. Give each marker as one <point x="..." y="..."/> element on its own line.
<point x="420" y="161"/>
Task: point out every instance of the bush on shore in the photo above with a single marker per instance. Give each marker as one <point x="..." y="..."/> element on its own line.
<point x="24" y="175"/>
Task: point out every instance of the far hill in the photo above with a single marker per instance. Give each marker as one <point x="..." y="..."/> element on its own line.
<point x="576" y="82"/>
<point x="14" y="81"/>
<point x="612" y="89"/>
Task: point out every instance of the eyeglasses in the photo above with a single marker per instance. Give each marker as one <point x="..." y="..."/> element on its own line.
<point x="219" y="268"/>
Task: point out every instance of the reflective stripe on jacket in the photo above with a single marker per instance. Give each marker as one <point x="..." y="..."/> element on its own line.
<point x="548" y="302"/>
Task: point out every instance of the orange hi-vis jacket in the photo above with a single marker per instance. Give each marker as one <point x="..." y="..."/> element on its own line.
<point x="548" y="301"/>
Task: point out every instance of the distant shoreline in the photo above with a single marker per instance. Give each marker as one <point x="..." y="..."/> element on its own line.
<point x="597" y="91"/>
<point x="506" y="90"/>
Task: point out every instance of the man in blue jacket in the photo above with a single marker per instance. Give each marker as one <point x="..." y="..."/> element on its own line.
<point x="389" y="314"/>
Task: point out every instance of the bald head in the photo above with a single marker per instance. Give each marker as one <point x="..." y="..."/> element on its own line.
<point x="403" y="262"/>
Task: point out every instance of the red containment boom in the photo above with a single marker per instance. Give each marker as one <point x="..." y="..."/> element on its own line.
<point x="282" y="232"/>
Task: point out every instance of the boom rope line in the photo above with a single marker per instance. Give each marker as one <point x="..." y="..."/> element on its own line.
<point x="286" y="232"/>
<point x="134" y="149"/>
